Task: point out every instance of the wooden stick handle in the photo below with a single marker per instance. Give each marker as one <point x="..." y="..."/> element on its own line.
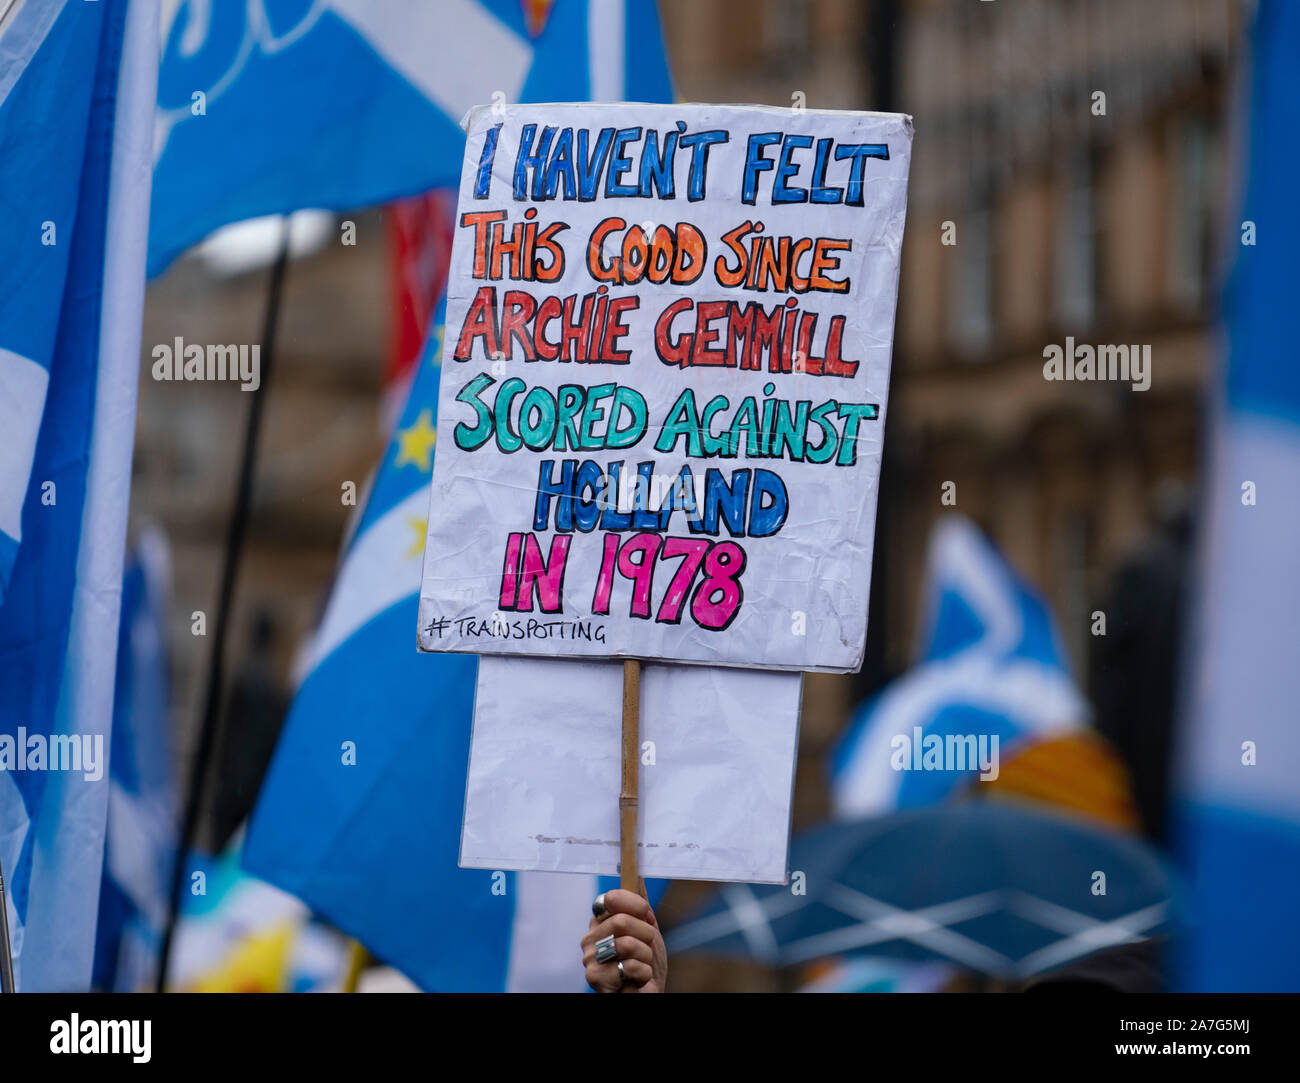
<point x="629" y="877"/>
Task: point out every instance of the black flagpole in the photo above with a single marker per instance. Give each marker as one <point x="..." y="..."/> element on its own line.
<point x="6" y="955"/>
<point x="235" y="532"/>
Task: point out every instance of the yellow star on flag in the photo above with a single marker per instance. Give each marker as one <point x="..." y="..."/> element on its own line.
<point x="419" y="527"/>
<point x="415" y="445"/>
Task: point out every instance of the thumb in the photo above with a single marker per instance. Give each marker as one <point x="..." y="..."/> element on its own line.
<point x="640" y="890"/>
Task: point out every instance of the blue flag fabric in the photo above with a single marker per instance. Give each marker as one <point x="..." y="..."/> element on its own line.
<point x="360" y="813"/>
<point x="42" y="164"/>
<point x="76" y="99"/>
<point x="990" y="663"/>
<point x="275" y="105"/>
<point x="140" y="837"/>
<point x="1238" y="805"/>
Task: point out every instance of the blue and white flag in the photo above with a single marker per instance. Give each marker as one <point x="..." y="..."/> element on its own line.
<point x="990" y="664"/>
<point x="1238" y="803"/>
<point x="142" y="813"/>
<point x="360" y="812"/>
<point x="240" y="935"/>
<point x="268" y="106"/>
<point x="77" y="87"/>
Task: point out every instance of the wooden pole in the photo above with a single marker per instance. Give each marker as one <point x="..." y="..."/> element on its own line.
<point x="629" y="875"/>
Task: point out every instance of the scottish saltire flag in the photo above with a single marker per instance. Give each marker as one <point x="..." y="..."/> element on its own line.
<point x="140" y="838"/>
<point x="77" y="87"/>
<point x="990" y="662"/>
<point x="266" y="106"/>
<point x="360" y="812"/>
<point x="1238" y="813"/>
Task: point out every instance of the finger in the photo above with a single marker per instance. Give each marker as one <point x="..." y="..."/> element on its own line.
<point x="603" y="977"/>
<point x="636" y="972"/>
<point x="625" y="925"/>
<point x="629" y="947"/>
<point x="589" y="950"/>
<point x="625" y="947"/>
<point x="619" y="901"/>
<point x="646" y="895"/>
<point x="604" y="898"/>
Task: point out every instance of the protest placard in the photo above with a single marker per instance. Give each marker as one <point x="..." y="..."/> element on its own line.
<point x="717" y="755"/>
<point x="664" y="384"/>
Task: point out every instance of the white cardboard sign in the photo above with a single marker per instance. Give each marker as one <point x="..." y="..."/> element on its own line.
<point x="717" y="770"/>
<point x="664" y="384"/>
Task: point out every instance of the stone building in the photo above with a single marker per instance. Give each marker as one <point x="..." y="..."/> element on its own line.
<point x="1074" y="152"/>
<point x="1067" y="179"/>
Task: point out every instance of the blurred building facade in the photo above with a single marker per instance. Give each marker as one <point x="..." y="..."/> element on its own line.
<point x="322" y="428"/>
<point x="1067" y="179"/>
<point x="1074" y="152"/>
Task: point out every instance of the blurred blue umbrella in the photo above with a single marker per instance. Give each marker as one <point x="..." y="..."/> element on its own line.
<point x="869" y="974"/>
<point x="993" y="887"/>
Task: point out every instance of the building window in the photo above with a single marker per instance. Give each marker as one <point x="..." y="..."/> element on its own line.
<point x="1074" y="276"/>
<point x="1073" y="577"/>
<point x="971" y="322"/>
<point x="1191" y="225"/>
<point x="786" y="32"/>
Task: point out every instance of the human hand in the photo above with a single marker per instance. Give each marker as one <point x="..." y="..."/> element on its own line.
<point x="638" y="945"/>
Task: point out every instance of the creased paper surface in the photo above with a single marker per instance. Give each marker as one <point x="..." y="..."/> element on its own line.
<point x="544" y="769"/>
<point x="664" y="384"/>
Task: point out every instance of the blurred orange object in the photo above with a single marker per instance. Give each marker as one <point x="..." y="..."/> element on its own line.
<point x="1078" y="772"/>
<point x="536" y="12"/>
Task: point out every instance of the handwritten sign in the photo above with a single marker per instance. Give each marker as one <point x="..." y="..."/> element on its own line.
<point x="665" y="378"/>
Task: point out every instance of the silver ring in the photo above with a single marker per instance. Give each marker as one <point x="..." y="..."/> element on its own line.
<point x="598" y="906"/>
<point x="605" y="950"/>
<point x="622" y="975"/>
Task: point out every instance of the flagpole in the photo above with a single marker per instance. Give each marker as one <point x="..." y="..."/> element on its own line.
<point x="235" y="532"/>
<point x="357" y="960"/>
<point x="629" y="877"/>
<point x="6" y="956"/>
